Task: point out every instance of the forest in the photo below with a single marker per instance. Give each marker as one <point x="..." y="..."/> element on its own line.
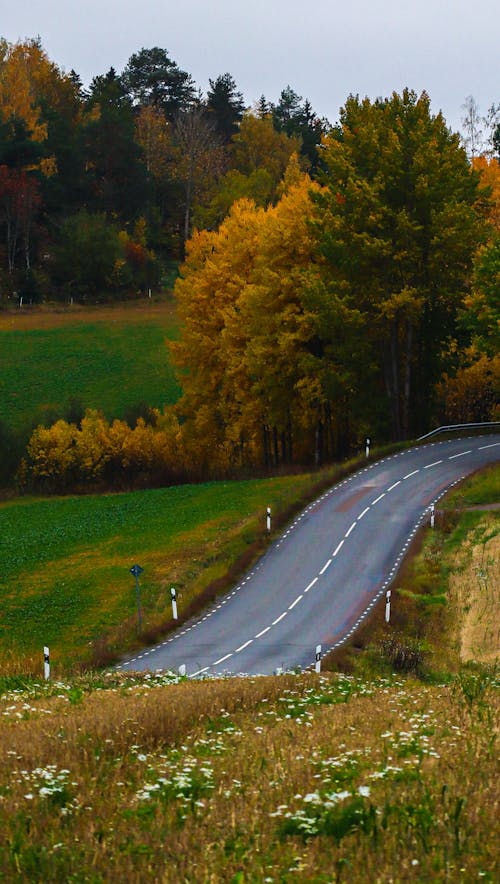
<point x="332" y="280"/>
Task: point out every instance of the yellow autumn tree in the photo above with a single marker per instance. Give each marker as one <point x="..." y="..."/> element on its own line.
<point x="473" y="394"/>
<point x="258" y="157"/>
<point x="153" y="133"/>
<point x="52" y="454"/>
<point x="279" y="400"/>
<point x="250" y="391"/>
<point x="489" y="171"/>
<point x="29" y="79"/>
<point x="218" y="265"/>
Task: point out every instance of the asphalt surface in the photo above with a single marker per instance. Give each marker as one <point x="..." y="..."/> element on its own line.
<point x="323" y="576"/>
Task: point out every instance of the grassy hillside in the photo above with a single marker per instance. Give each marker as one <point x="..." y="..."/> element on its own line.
<point x="65" y="577"/>
<point x="109" y="359"/>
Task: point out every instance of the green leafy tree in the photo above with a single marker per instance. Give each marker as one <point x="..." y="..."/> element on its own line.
<point x="258" y="158"/>
<point x="398" y="226"/>
<point x="86" y="256"/>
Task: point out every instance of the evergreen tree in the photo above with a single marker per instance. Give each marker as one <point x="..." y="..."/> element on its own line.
<point x="116" y="174"/>
<point x="298" y="120"/>
<point x="151" y="77"/>
<point x="225" y="104"/>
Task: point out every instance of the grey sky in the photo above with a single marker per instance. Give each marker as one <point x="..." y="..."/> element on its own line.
<point x="324" y="50"/>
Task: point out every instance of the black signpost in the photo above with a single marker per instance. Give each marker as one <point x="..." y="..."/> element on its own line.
<point x="136" y="570"/>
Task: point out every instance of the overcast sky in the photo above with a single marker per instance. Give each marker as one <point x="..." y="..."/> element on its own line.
<point x="324" y="50"/>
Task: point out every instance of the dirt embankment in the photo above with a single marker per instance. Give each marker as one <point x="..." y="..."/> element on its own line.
<point x="475" y="593"/>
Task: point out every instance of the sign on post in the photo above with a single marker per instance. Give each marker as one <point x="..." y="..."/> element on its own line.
<point x="136" y="570"/>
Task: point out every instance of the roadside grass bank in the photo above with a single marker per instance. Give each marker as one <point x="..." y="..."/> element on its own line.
<point x="291" y="778"/>
<point x="445" y="599"/>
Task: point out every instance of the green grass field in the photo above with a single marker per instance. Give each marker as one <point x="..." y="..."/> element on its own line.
<point x="112" y="366"/>
<point x="65" y="576"/>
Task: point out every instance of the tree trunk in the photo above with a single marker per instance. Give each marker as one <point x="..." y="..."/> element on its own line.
<point x="276" y="447"/>
<point x="407" y="380"/>
<point x="391" y="371"/>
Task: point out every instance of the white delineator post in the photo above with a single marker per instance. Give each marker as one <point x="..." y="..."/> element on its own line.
<point x="388" y="606"/>
<point x="432" y="515"/>
<point x="174" y="602"/>
<point x="317" y="665"/>
<point x="268" y="520"/>
<point x="46" y="663"/>
<point x="367" y="449"/>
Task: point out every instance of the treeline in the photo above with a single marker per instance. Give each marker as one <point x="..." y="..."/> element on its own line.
<point x="362" y="303"/>
<point x="365" y="303"/>
<point x="100" y="188"/>
<point x="337" y="281"/>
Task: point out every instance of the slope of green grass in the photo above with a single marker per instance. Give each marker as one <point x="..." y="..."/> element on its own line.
<point x="109" y="366"/>
<point x="65" y="574"/>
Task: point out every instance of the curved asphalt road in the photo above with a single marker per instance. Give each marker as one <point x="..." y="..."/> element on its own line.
<point x="316" y="584"/>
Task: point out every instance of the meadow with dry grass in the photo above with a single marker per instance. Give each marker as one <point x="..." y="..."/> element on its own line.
<point x="292" y="778"/>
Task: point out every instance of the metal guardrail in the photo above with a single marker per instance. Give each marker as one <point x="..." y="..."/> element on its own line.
<point x="448" y="429"/>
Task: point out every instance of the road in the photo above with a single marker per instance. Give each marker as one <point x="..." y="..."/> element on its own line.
<point x="323" y="576"/>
